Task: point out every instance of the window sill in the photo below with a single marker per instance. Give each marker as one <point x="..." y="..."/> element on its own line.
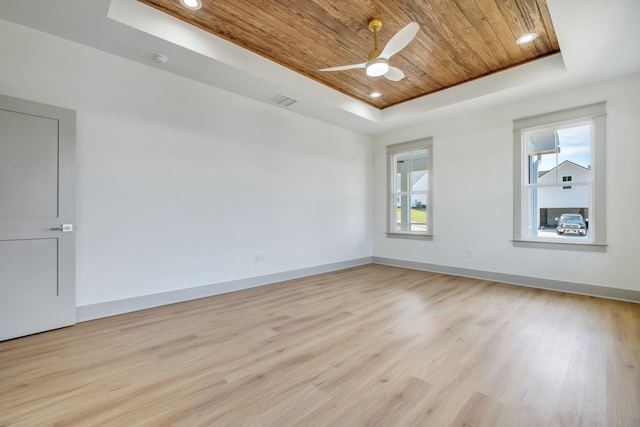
<point x="571" y="246"/>
<point x="410" y="236"/>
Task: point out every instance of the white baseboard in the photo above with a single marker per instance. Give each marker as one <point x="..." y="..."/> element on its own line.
<point x="512" y="279"/>
<point x="112" y="308"/>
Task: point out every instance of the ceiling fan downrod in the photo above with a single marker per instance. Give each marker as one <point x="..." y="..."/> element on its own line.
<point x="375" y="24"/>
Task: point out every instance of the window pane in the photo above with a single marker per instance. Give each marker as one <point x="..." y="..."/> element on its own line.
<point x="419" y="180"/>
<point x="419" y="170"/>
<point x="403" y="166"/>
<point x="419" y="200"/>
<point x="541" y="150"/>
<point x="555" y="213"/>
<point x="419" y="212"/>
<point x="574" y="145"/>
<point x="551" y="152"/>
<point x="411" y="213"/>
<point x="403" y="213"/>
<point x="544" y="169"/>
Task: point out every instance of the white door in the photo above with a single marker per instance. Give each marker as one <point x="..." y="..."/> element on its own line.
<point x="37" y="196"/>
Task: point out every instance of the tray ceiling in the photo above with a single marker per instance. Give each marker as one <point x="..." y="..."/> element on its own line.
<point x="458" y="40"/>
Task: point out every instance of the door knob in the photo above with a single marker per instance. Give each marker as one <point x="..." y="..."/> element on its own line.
<point x="65" y="228"/>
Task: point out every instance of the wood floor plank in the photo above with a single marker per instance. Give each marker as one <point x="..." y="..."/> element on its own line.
<point x="370" y="346"/>
<point x="480" y="410"/>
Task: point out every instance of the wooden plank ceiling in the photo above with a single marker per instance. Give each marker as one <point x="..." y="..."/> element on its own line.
<point x="458" y="41"/>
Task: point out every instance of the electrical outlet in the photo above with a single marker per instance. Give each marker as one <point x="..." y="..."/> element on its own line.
<point x="470" y="253"/>
<point x="260" y="257"/>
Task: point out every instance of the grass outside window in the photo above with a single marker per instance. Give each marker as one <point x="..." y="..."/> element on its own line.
<point x="418" y="215"/>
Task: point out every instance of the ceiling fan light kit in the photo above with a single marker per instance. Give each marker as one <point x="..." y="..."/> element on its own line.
<point x="377" y="67"/>
<point x="378" y="64"/>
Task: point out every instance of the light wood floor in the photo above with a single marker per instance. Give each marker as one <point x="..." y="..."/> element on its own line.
<point x="370" y="346"/>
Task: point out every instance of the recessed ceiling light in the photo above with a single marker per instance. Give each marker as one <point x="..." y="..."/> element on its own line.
<point x="375" y="94"/>
<point x="192" y="4"/>
<point x="526" y="38"/>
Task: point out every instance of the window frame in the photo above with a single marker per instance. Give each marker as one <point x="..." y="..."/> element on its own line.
<point x="594" y="113"/>
<point x="392" y="151"/>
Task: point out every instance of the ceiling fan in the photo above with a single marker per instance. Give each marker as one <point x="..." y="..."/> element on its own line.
<point x="378" y="63"/>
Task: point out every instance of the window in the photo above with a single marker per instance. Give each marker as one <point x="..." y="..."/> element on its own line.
<point x="554" y="153"/>
<point x="410" y="195"/>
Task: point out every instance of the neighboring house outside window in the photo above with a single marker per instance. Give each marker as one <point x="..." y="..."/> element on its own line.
<point x="410" y="193"/>
<point x="553" y="200"/>
<point x="559" y="179"/>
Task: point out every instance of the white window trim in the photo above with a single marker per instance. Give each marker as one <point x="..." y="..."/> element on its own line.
<point x="597" y="214"/>
<point x="420" y="144"/>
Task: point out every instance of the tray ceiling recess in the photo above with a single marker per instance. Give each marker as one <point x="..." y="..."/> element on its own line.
<point x="457" y="40"/>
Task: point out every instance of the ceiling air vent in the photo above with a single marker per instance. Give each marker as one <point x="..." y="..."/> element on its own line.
<point x="285" y="101"/>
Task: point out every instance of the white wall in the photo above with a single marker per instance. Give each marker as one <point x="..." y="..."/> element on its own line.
<point x="473" y="183"/>
<point x="180" y="184"/>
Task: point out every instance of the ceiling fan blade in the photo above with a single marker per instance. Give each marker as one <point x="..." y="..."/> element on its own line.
<point x="394" y="74"/>
<point x="401" y="39"/>
<point x="345" y="67"/>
